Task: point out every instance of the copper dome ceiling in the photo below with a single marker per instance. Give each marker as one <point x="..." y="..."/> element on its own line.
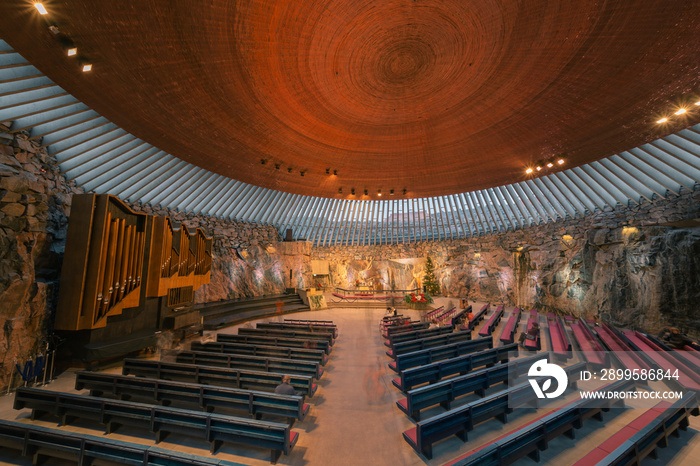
<point x="435" y="97"/>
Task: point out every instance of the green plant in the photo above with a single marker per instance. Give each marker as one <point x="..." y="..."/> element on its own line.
<point x="429" y="281"/>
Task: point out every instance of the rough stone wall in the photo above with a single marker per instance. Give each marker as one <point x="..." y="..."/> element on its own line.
<point x="34" y="205"/>
<point x="631" y="266"/>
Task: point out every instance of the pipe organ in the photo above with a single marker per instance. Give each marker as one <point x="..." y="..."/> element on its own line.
<point x="117" y="259"/>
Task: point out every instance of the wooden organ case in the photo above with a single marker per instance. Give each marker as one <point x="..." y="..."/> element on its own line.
<point x="127" y="278"/>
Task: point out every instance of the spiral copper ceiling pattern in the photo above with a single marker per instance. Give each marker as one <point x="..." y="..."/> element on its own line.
<point x="431" y="96"/>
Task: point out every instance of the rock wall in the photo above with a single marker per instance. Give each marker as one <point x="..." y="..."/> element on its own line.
<point x="34" y="206"/>
<point x="636" y="267"/>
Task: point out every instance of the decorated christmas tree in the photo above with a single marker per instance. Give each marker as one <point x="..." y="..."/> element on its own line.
<point x="429" y="281"/>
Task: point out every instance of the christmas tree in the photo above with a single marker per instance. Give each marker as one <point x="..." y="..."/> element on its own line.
<point x="429" y="281"/>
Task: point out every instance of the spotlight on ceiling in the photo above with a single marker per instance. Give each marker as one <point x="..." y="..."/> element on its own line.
<point x="663" y="120"/>
<point x="528" y="171"/>
<point x="560" y="161"/>
<point x="680" y="111"/>
<point x="54" y="29"/>
<point x="379" y="192"/>
<point x="72" y="51"/>
<point x="85" y="66"/>
<point x="550" y="164"/>
<point x="697" y="103"/>
<point x="40" y="8"/>
<point x="538" y="168"/>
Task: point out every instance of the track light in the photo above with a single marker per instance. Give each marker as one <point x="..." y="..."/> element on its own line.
<point x="335" y="172"/>
<point x="277" y="166"/>
<point x="340" y="190"/>
<point x="352" y="191"/>
<point x="263" y="161"/>
<point x="289" y="170"/>
<point x="302" y="172"/>
<point x="404" y="191"/>
<point x="328" y="171"/>
<point x="391" y="192"/>
<point x="40" y="8"/>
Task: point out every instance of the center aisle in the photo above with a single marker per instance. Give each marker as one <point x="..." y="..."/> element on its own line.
<point x="353" y="418"/>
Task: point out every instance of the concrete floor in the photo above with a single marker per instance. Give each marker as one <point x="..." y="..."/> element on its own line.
<point x="354" y="420"/>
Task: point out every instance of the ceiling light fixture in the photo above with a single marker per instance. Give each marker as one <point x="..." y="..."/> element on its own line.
<point x="352" y="191"/>
<point x="40" y="8"/>
<point x="366" y="192"/>
<point x="340" y="190"/>
<point x="335" y="172"/>
<point x="391" y="191"/>
<point x="328" y="171"/>
<point x="539" y="168"/>
<point x="528" y="171"/>
<point x="697" y="103"/>
<point x="86" y="67"/>
<point x="680" y="111"/>
<point x="71" y="52"/>
<point x="560" y="161"/>
<point x="404" y="191"/>
<point x="663" y="120"/>
<point x="550" y="164"/>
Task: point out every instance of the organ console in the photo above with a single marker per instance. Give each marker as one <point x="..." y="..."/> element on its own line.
<point x="118" y="259"/>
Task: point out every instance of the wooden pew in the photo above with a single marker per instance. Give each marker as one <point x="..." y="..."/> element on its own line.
<point x="435" y="312"/>
<point x="533" y="345"/>
<point x="431" y="373"/>
<point x="460" y="316"/>
<point x="426" y="343"/>
<point x="437" y="353"/>
<point x="508" y="332"/>
<point x="487" y="329"/>
<point x="160" y="420"/>
<point x="304" y="354"/>
<point x="310" y="321"/>
<point x="244" y="361"/>
<point x="592" y="350"/>
<point x="478" y="317"/>
<point x="620" y="350"/>
<point x="641" y="437"/>
<point x="222" y="376"/>
<point x="286" y="333"/>
<point x="688" y="376"/>
<point x="535" y="435"/>
<point x="461" y="420"/>
<point x="445" y="392"/>
<point x="205" y="397"/>
<point x="404" y="327"/>
<point x="559" y="342"/>
<point x="44" y="443"/>
<point x="301" y="325"/>
<point x="273" y="341"/>
<point x="416" y="335"/>
<point x="444" y="315"/>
